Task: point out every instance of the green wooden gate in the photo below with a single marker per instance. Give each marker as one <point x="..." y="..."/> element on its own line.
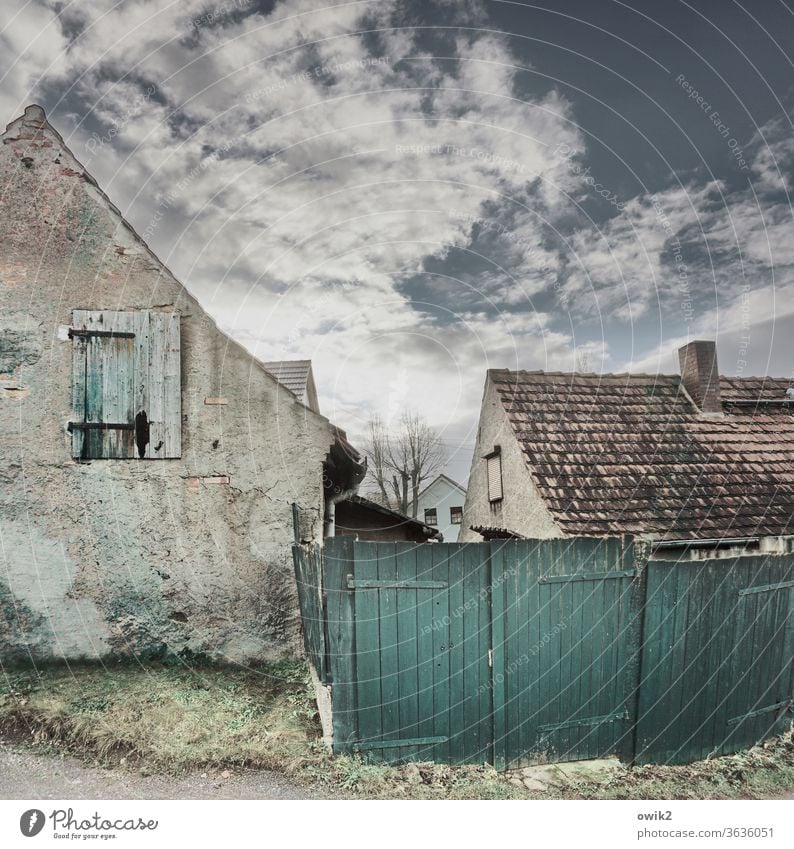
<point x="409" y="638"/>
<point x="716" y="657"/>
<point x="473" y="653"/>
<point x="564" y="617"/>
<point x="526" y="651"/>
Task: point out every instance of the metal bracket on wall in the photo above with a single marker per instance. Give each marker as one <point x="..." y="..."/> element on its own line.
<point x="393" y="744"/>
<point x="367" y="584"/>
<point x="590" y="720"/>
<point x="781" y="706"/>
<point x="767" y="588"/>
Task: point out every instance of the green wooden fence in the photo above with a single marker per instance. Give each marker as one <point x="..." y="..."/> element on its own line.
<point x="527" y="651"/>
<point x="308" y="562"/>
<point x="716" y="657"/>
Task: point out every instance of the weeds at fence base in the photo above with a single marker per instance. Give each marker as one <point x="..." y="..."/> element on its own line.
<point x="172" y="721"/>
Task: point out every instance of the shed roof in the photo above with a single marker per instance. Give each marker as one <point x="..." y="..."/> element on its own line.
<point x="395" y="517"/>
<point x="631" y="453"/>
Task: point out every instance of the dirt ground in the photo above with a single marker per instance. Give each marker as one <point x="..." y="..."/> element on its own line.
<point x="28" y="775"/>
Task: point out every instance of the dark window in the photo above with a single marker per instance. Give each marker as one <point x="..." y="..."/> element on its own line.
<point x="431" y="516"/>
<point x="455" y="515"/>
<point x="126" y="385"/>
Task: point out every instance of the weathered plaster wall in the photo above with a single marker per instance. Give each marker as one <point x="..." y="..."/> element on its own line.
<point x="521" y="509"/>
<point x="140" y="556"/>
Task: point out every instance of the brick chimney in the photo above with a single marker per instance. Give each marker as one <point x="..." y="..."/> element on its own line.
<point x="700" y="374"/>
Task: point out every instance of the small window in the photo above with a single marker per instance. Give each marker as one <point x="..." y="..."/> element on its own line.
<point x="455" y="515"/>
<point x="431" y="516"/>
<point x="126" y="385"/>
<point x="494" y="462"/>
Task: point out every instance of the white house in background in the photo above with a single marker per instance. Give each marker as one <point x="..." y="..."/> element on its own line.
<point x="441" y="506"/>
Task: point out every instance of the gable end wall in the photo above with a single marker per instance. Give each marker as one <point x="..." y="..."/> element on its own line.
<point x="134" y="557"/>
<point x="522" y="509"/>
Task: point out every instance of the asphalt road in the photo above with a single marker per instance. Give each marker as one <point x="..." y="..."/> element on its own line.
<point x="27" y="775"/>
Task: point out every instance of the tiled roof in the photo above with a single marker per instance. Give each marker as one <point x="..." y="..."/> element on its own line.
<point x="291" y="373"/>
<point x="488" y="532"/>
<point x="448" y="479"/>
<point x="632" y="454"/>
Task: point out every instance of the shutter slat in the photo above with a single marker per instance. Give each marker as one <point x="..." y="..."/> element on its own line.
<point x="94" y="447"/>
<point x="156" y="409"/>
<point x="141" y="386"/>
<point x="78" y="383"/>
<point x="121" y="351"/>
<point x="172" y="389"/>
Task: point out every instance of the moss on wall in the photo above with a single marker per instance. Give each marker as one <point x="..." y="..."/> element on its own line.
<point x="21" y="628"/>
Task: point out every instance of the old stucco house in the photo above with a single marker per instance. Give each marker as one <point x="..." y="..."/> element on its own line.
<point x="148" y="463"/>
<point x="694" y="461"/>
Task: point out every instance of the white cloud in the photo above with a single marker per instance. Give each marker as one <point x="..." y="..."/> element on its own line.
<point x="386" y="155"/>
<point x="307" y="172"/>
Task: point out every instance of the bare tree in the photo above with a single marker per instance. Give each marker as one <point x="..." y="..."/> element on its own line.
<point x="402" y="461"/>
<point x="376" y="449"/>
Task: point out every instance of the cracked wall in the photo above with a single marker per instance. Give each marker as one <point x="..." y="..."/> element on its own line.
<point x="144" y="557"/>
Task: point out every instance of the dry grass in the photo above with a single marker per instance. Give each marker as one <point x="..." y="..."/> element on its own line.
<point x="166" y="719"/>
<point x="174" y="720"/>
<point x="763" y="772"/>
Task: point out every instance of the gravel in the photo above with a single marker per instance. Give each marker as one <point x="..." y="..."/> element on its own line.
<point x="26" y="774"/>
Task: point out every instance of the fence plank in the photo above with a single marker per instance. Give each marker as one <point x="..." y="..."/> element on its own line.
<point x="369" y="669"/>
<point x="441" y="671"/>
<point x="307" y="562"/>
<point x="457" y="697"/>
<point x="497" y="578"/>
<point x="389" y="650"/>
<point x="426" y="627"/>
<point x="407" y="647"/>
<point x="341" y="630"/>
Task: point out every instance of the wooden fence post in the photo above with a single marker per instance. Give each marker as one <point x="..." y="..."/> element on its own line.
<point x="635" y="555"/>
<point x="296" y="523"/>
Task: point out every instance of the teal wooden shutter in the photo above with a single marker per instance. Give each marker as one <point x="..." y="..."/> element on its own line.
<point x="126" y="386"/>
<point x="163" y="401"/>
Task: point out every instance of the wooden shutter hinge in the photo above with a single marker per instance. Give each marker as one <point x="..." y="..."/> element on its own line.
<point x="72" y="426"/>
<point x="116" y="334"/>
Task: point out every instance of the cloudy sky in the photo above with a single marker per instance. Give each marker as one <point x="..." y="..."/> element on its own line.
<point x="410" y="193"/>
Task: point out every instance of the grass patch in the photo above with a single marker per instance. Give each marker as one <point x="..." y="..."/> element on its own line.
<point x="174" y="720"/>
<point x="164" y="718"/>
